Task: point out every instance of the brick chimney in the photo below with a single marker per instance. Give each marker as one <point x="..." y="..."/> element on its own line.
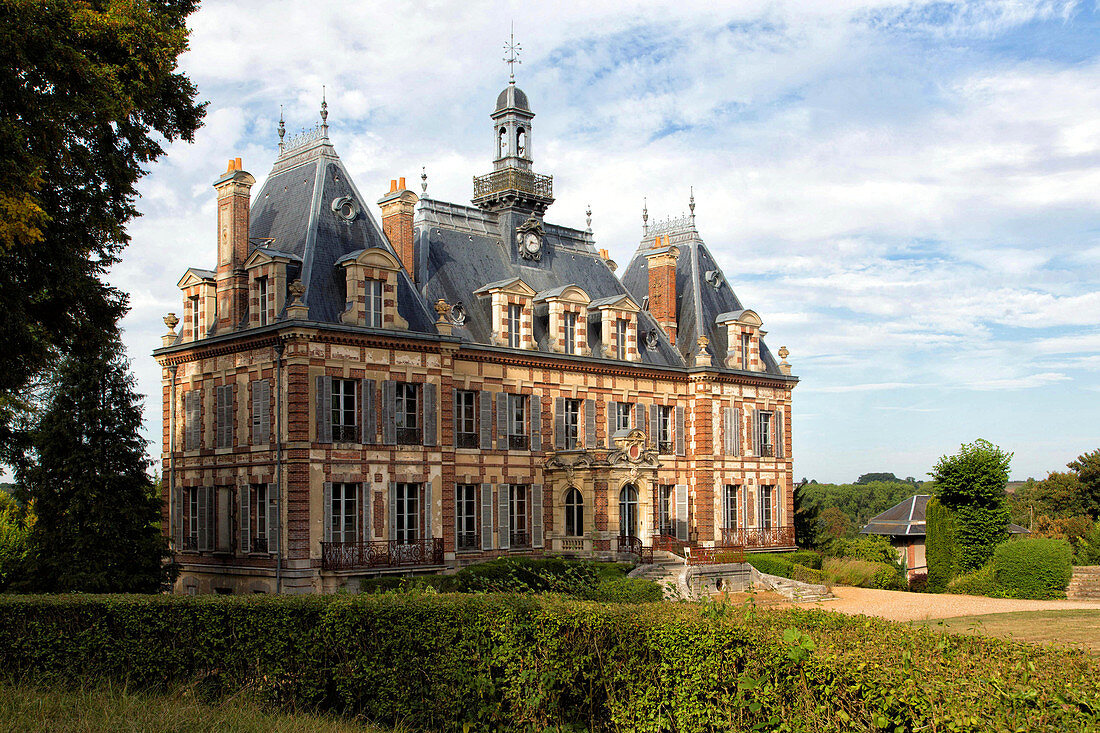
<point x="661" y="261"/>
<point x="397" y="222"/>
<point x="234" y="190"/>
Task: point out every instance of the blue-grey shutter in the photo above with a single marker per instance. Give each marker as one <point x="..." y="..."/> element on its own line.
<point x="486" y="516"/>
<point x="590" y="424"/>
<point x="682" y="512"/>
<point x="756" y="433"/>
<point x="454" y="417"/>
<point x="190" y="424"/>
<point x="273" y="518"/>
<point x="177" y="503"/>
<point x="737" y="431"/>
<point x="391" y="509"/>
<point x="246" y="527"/>
<point x="639" y="416"/>
<point x="389" y="412"/>
<point x="427" y="510"/>
<point x="365" y="512"/>
<point x="534" y="404"/>
<point x="779" y="433"/>
<point x="369" y="419"/>
<point x="654" y="425"/>
<point x="485" y="410"/>
<point x="431" y="414"/>
<point x="536" y="515"/>
<point x="611" y="409"/>
<point x="196" y="419"/>
<point x="727" y="431"/>
<point x="503" y="526"/>
<point x="326" y="510"/>
<point x="559" y="423"/>
<point x="261" y="412"/>
<point x="458" y="513"/>
<point x="230" y="403"/>
<point x="204" y="518"/>
<point x="681" y="435"/>
<point x="324" y="409"/>
<point x="502" y="421"/>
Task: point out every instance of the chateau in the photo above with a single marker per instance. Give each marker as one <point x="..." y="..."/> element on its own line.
<point x="344" y="399"/>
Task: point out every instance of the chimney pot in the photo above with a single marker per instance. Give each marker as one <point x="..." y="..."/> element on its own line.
<point x="401" y="184"/>
<point x="237" y="165"/>
<point x="393" y="185"/>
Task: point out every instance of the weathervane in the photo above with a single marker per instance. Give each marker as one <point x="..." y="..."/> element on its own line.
<point x="282" y="129"/>
<point x="324" y="113"/>
<point x="513" y="50"/>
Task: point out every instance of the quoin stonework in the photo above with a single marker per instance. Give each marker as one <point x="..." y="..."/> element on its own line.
<point x="346" y="398"/>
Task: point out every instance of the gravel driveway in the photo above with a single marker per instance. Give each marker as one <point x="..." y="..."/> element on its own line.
<point x="902" y="606"/>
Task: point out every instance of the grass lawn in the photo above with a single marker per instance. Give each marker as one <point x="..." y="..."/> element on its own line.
<point x="1073" y="628"/>
<point x="113" y="708"/>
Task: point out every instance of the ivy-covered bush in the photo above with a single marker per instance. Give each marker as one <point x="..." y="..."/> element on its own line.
<point x="491" y="662"/>
<point x="941" y="551"/>
<point x="1033" y="568"/>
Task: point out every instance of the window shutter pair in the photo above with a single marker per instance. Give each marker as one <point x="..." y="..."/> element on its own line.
<point x="246" y="525"/>
<point x="429" y="410"/>
<point x="502" y="421"/>
<point x="389" y="413"/>
<point x="223" y="416"/>
<point x="731" y="431"/>
<point x="681" y="435"/>
<point x="559" y="423"/>
<point x="326" y="511"/>
<point x="324" y="409"/>
<point x="590" y="424"/>
<point x="534" y="406"/>
<point x="682" y="512"/>
<point x="779" y="447"/>
<point x="486" y="516"/>
<point x="485" y="417"/>
<point x="368" y="419"/>
<point x="192" y="409"/>
<point x="261" y="412"/>
<point x="503" y="514"/>
<point x="612" y="410"/>
<point x="654" y="425"/>
<point x="536" y="515"/>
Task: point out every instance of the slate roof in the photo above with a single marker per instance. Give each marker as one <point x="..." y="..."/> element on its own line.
<point x="699" y="300"/>
<point x="907" y="518"/>
<point x="293" y="214"/>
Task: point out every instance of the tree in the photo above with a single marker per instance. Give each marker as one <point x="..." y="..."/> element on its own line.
<point x="805" y="518"/>
<point x="834" y="523"/>
<point x="88" y="92"/>
<point x="971" y="484"/>
<point x="1058" y="495"/>
<point x="1087" y="468"/>
<point x="98" y="523"/>
<point x="870" y="477"/>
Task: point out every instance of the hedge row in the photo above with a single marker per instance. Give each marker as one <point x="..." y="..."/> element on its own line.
<point x="839" y="571"/>
<point x="509" y="663"/>
<point x="1029" y="568"/>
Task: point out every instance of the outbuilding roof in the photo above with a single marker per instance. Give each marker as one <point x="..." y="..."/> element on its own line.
<point x="908" y="518"/>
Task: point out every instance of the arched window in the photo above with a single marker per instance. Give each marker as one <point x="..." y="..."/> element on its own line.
<point x="502" y="143"/>
<point x="521" y="142"/>
<point x="574" y="513"/>
<point x="628" y="511"/>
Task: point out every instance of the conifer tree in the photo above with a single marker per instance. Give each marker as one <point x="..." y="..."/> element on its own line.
<point x="97" y="528"/>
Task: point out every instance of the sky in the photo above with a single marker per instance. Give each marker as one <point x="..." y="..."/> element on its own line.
<point x="908" y="193"/>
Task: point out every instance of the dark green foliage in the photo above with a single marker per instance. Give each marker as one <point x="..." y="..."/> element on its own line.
<point x="97" y="528"/>
<point x="980" y="582"/>
<point x="1087" y="551"/>
<point x="1087" y="467"/>
<point x="770" y="564"/>
<point x="869" y="547"/>
<point x="858" y="502"/>
<point x="1033" y="568"/>
<point x="809" y="558"/>
<point x="512" y="663"/>
<point x="971" y="484"/>
<point x="870" y="478"/>
<point x="918" y="583"/>
<point x="805" y="518"/>
<point x="90" y="92"/>
<point x="940" y="550"/>
<point x="626" y="590"/>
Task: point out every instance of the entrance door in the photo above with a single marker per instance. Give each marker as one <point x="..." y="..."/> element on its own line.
<point x="628" y="511"/>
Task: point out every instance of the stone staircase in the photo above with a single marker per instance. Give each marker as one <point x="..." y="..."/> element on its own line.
<point x="794" y="590"/>
<point x="1085" y="583"/>
<point x="663" y="571"/>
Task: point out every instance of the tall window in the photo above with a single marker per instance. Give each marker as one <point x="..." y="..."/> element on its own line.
<point x="664" y="510"/>
<point x="466" y="419"/>
<point x="407" y="415"/>
<point x="729" y="504"/>
<point x="407" y="513"/>
<point x="195" y="321"/>
<point x="622" y="416"/>
<point x="620" y="338"/>
<point x="343" y="411"/>
<point x="572" y="421"/>
<point x="257" y="520"/>
<point x="466" y="517"/>
<point x="517" y="422"/>
<point x="745" y="351"/>
<point x="343" y="512"/>
<point x="574" y="513"/>
<point x="570" y="331"/>
<point x="261" y="299"/>
<point x="664" y="428"/>
<point x="517" y="516"/>
<point x="628" y="511"/>
<point x="765" y="432"/>
<point x="191" y="517"/>
<point x="514" y="311"/>
<point x="372" y="290"/>
<point x="766" y="507"/>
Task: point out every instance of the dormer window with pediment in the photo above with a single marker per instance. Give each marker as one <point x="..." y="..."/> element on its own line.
<point x="743" y="334"/>
<point x="510" y="302"/>
<point x="370" y="276"/>
<point x="567" y="318"/>
<point x="199" y="303"/>
<point x="618" y="317"/>
<point x="268" y="276"/>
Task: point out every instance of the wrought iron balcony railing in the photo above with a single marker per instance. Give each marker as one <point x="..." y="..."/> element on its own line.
<point x="381" y="554"/>
<point x="467" y="440"/>
<point x="259" y="544"/>
<point x="514" y="179"/>
<point x="758" y="537"/>
<point x="521" y="539"/>
<point x="767" y="450"/>
<point x="468" y="541"/>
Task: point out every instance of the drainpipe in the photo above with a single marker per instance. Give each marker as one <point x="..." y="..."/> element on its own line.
<point x="172" y="528"/>
<point x="279" y="347"/>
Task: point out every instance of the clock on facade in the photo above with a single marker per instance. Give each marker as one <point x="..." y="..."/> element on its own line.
<point x="532" y="243"/>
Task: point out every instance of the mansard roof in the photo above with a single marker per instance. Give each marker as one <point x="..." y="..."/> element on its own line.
<point x="295" y="213"/>
<point x="703" y="295"/>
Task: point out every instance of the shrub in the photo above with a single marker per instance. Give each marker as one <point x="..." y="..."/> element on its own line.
<point x="862" y="573"/>
<point x="971" y="484"/>
<point x="918" y="582"/>
<point x="871" y="547"/>
<point x="980" y="582"/>
<point x="941" y="551"/>
<point x="627" y="590"/>
<point x="770" y="564"/>
<point x="807" y="575"/>
<point x="1033" y="568"/>
<point x="1087" y="551"/>
<point x="528" y="575"/>
<point x="809" y="558"/>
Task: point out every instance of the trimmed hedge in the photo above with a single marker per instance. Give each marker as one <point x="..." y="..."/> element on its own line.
<point x="1033" y="568"/>
<point x="863" y="573"/>
<point x="941" y="551"/>
<point x="981" y="582"/>
<point x="511" y="663"/>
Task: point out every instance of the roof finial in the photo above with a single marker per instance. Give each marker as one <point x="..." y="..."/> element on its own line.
<point x="691" y="206"/>
<point x="424" y="180"/>
<point x="588" y="217"/>
<point x="282" y="129"/>
<point x="324" y="113"/>
<point x="645" y="218"/>
<point x="513" y="50"/>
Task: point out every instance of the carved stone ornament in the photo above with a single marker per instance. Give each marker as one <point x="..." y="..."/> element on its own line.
<point x="633" y="451"/>
<point x="529" y="239"/>
<point x="458" y="314"/>
<point x="442" y="308"/>
<point x="171" y="321"/>
<point x="297" y="290"/>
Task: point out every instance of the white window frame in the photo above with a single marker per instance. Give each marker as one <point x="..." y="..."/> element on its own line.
<point x="664" y="429"/>
<point x="466" y="503"/>
<point x="745" y="340"/>
<point x="466" y="414"/>
<point x="518" y="504"/>
<point x="261" y="297"/>
<point x="407" y="413"/>
<point x="665" y="494"/>
<point x="515" y="315"/>
<point x="258" y="509"/>
<point x="621" y="326"/>
<point x="623" y="412"/>
<point x="407" y="513"/>
<point x="345" y="412"/>
<point x="196" y="323"/>
<point x="517" y="421"/>
<point x="574" y="512"/>
<point x="572" y="410"/>
<point x="767" y="509"/>
<point x="570" y="321"/>
<point x="729" y="504"/>
<point x="372" y="293"/>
